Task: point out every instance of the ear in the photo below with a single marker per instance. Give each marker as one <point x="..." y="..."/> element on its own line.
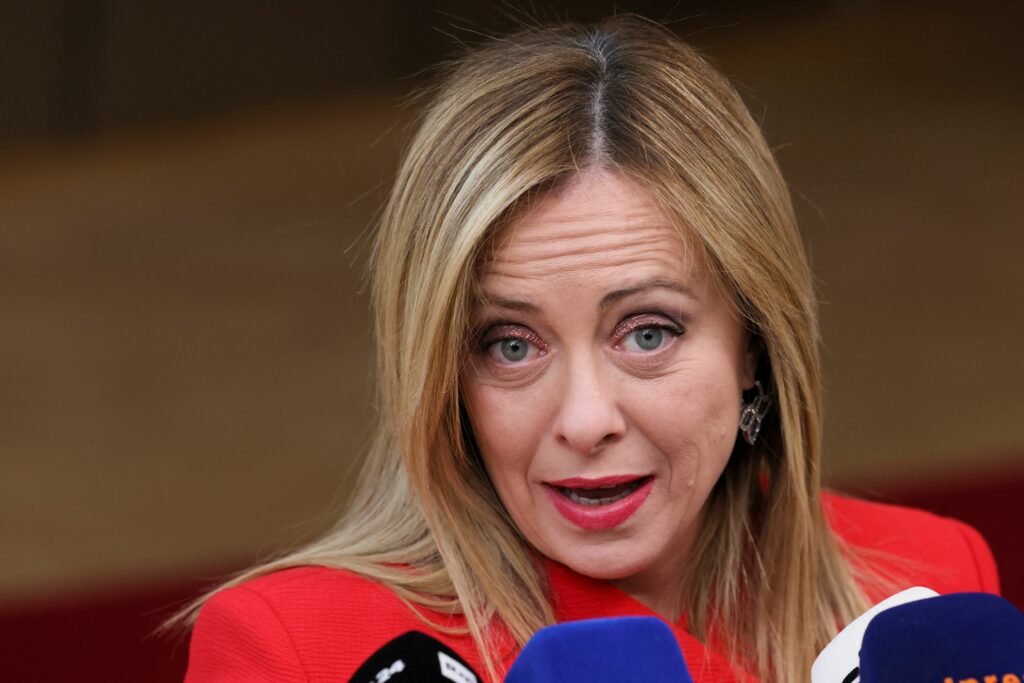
<point x="751" y="355"/>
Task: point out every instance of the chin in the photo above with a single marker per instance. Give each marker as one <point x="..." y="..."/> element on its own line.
<point x="603" y="565"/>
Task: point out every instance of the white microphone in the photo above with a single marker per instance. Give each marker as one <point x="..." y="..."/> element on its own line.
<point x="839" y="662"/>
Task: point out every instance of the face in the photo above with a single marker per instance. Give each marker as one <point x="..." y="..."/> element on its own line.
<point x="605" y="382"/>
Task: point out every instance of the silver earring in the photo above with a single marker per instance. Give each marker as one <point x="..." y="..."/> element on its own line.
<point x="752" y="413"/>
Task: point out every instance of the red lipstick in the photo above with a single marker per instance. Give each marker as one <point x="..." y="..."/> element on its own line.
<point x="599" y="503"/>
<point x="596" y="482"/>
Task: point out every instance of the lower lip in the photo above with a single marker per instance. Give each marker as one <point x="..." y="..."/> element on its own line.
<point x="597" y="517"/>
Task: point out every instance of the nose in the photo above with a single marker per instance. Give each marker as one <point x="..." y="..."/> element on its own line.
<point x="589" y="417"/>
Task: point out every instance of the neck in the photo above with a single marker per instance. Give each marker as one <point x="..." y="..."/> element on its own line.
<point x="662" y="595"/>
<point x="659" y="587"/>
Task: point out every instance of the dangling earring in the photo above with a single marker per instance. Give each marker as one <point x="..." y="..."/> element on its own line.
<point x="752" y="413"/>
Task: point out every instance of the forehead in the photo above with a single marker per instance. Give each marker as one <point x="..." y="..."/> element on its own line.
<point x="600" y="225"/>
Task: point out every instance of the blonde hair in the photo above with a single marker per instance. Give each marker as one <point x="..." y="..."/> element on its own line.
<point x="518" y="116"/>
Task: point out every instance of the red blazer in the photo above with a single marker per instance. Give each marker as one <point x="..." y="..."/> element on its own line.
<point x="315" y="624"/>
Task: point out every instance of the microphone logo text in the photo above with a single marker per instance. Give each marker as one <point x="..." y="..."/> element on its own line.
<point x="387" y="672"/>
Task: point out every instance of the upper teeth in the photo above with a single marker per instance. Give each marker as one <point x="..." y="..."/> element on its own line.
<point x="576" y="498"/>
<point x="584" y="500"/>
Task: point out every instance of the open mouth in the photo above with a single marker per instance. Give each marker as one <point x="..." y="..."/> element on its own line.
<point x="601" y="495"/>
<point x="601" y="503"/>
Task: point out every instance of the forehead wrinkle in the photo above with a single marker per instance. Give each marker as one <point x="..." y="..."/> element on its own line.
<point x="538" y="237"/>
<point x="653" y="259"/>
<point x="538" y="231"/>
<point x="658" y="244"/>
<point x="578" y="238"/>
<point x="573" y="249"/>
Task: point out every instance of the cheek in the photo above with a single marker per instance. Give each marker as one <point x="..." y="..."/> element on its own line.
<point x="696" y="418"/>
<point x="721" y="413"/>
<point x="506" y="429"/>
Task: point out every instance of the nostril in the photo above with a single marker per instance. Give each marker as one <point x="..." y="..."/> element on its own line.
<point x="588" y="446"/>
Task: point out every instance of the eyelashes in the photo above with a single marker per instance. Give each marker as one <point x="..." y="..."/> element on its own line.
<point x="503" y="331"/>
<point x="510" y="344"/>
<point x="643" y="321"/>
<point x="647" y="333"/>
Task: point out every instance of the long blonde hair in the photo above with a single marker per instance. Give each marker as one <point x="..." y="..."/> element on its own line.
<point x="517" y="116"/>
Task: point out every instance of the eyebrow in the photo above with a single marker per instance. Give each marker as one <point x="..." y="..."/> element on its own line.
<point x="614" y="297"/>
<point x="607" y="301"/>
<point x="511" y="304"/>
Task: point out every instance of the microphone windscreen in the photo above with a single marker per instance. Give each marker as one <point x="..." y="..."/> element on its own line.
<point x="839" y="662"/>
<point x="414" y="657"/>
<point x="620" y="649"/>
<point x="950" y="637"/>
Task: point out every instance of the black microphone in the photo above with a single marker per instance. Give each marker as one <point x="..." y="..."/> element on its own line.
<point x="612" y="650"/>
<point x="414" y="657"/>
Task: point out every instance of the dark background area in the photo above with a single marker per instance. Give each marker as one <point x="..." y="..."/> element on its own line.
<point x="186" y="191"/>
<point x="87" y="67"/>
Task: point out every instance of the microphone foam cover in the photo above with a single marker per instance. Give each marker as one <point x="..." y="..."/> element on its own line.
<point x="619" y="649"/>
<point x="840" y="660"/>
<point x="958" y="636"/>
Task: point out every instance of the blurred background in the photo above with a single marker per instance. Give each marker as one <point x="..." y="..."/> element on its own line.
<point x="186" y="192"/>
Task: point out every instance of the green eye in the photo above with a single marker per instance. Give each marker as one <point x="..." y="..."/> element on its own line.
<point x="648" y="338"/>
<point x="514" y="350"/>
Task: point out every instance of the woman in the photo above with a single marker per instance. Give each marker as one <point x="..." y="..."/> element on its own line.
<point x="600" y="391"/>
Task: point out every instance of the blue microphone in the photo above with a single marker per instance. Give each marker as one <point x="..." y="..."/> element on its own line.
<point x="945" y="639"/>
<point x="613" y="650"/>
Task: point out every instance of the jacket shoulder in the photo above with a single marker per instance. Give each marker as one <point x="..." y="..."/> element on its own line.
<point x="324" y="594"/>
<point x="301" y="624"/>
<point x="911" y="547"/>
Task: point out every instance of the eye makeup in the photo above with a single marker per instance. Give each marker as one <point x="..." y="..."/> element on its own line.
<point x="639" y="321"/>
<point x="496" y="332"/>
